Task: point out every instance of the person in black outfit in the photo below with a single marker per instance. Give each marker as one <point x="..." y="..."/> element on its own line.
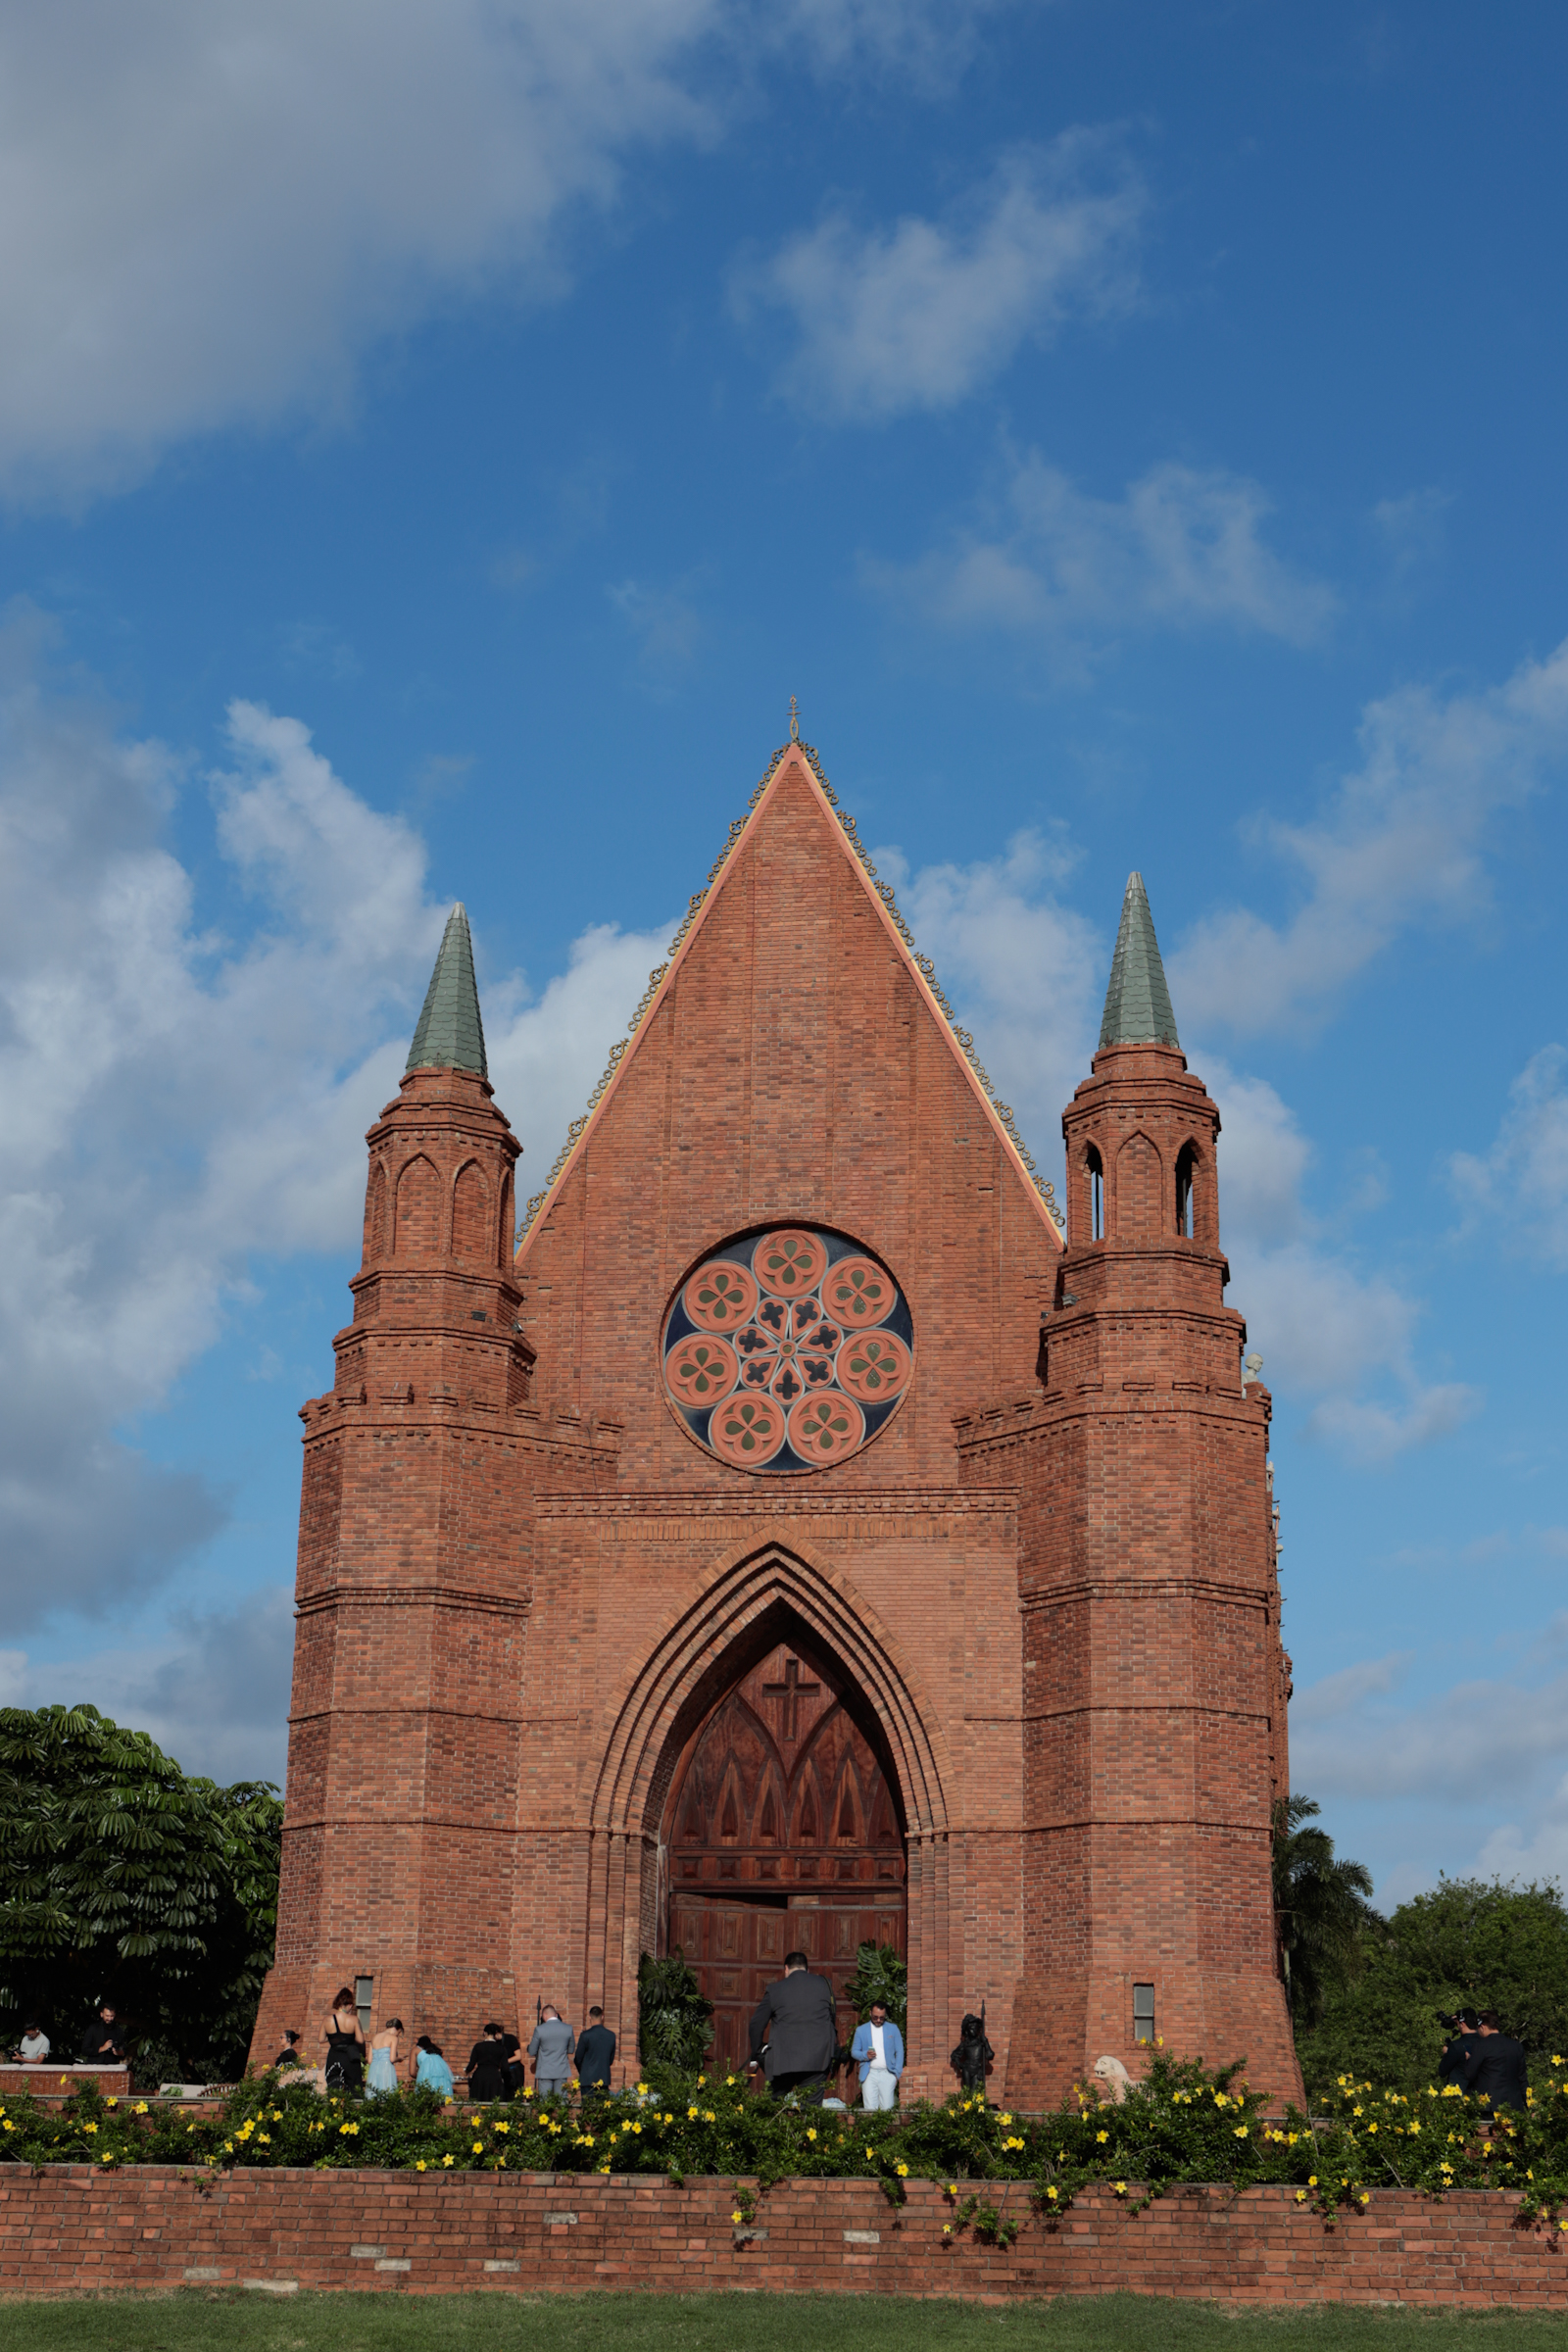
<point x="513" y="2072"/>
<point x="595" y="2053"/>
<point x="344" y="2036"/>
<point x="1460" y="2047"/>
<point x="103" y="2043"/>
<point x="797" y="2021"/>
<point x="289" y="2054"/>
<point x="1496" y="2068"/>
<point x="486" y="2070"/>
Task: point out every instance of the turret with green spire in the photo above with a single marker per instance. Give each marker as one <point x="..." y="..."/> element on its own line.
<point x="451" y="1035"/>
<point x="1137" y="1006"/>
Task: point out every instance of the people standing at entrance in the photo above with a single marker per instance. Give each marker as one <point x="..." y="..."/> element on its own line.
<point x="794" y="2031"/>
<point x="486" y="2070"/>
<point x="430" y="2070"/>
<point x="344" y="2036"/>
<point x="550" y="2051"/>
<point x="595" y="2053"/>
<point x="879" y="2047"/>
<point x="386" y="2051"/>
<point x="1496" y="2068"/>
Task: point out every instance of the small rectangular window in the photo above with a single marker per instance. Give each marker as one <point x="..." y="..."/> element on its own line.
<point x="363" y="2001"/>
<point x="1143" y="2013"/>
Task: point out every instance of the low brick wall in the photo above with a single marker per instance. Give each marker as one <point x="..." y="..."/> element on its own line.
<point x="69" y="2230"/>
<point x="52" y="2086"/>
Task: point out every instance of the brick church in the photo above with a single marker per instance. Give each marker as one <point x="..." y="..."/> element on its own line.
<point x="803" y="1531"/>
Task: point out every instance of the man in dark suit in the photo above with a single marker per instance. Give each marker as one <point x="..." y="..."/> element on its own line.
<point x="1464" y="2039"/>
<point x="797" y="2022"/>
<point x="596" y="2048"/>
<point x="1496" y="2068"/>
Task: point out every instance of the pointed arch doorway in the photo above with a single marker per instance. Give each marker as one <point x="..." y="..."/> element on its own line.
<point x="784" y="1831"/>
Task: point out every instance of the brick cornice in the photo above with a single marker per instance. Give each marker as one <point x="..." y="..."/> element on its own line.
<point x="409" y="1597"/>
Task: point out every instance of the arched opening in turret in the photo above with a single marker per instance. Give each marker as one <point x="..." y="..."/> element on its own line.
<point x="1185" y="1164"/>
<point x="1095" y="1169"/>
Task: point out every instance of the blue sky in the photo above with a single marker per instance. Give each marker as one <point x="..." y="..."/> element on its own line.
<point x="435" y="442"/>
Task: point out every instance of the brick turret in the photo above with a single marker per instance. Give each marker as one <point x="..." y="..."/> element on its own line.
<point x="1153" y="1686"/>
<point x="415" y="1571"/>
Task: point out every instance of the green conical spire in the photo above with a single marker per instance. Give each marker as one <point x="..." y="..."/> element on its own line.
<point x="1138" y="1008"/>
<point x="451" y="1034"/>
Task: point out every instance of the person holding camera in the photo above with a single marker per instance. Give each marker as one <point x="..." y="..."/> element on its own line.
<point x="1457" y="2051"/>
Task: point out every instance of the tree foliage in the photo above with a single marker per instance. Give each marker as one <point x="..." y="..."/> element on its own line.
<point x="881" y="1974"/>
<point x="123" y="1880"/>
<point x="674" y="2021"/>
<point x="1321" y="1907"/>
<point x="1468" y="1943"/>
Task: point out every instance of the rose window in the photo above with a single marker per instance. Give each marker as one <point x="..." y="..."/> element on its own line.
<point x="788" y="1352"/>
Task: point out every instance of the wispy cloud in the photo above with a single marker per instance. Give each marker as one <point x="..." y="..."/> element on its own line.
<point x="918" y="315"/>
<point x="1180" y="550"/>
<point x="665" y="627"/>
<point x="1403" y="840"/>
<point x="1521" y="1184"/>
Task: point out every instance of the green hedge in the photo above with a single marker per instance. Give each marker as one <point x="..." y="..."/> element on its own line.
<point x="1184" y="2124"/>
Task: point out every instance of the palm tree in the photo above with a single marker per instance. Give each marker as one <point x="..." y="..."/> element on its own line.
<point x="1321" y="1907"/>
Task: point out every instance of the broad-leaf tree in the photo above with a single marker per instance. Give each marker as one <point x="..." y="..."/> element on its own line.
<point x="123" y="1880"/>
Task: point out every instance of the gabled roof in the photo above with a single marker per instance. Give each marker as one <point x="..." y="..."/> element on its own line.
<point x="1137" y="1006"/>
<point x="803" y="760"/>
<point x="451" y="1035"/>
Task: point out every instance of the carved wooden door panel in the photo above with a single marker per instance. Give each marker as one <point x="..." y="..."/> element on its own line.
<point x="783" y="1834"/>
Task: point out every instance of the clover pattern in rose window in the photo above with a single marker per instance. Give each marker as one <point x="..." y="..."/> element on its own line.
<point x="788" y="1352"/>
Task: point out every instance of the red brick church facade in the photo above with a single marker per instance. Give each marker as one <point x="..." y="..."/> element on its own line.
<point x="808" y="1533"/>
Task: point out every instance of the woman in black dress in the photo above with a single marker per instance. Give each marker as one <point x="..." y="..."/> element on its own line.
<point x="345" y="2043"/>
<point x="516" y="2072"/>
<point x="486" y="2068"/>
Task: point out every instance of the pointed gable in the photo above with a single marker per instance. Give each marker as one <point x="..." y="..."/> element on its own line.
<point x="795" y="814"/>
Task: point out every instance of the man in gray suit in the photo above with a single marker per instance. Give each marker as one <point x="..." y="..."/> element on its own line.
<point x="797" y="2021"/>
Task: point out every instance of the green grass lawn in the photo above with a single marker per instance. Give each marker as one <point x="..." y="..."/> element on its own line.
<point x="241" y="2321"/>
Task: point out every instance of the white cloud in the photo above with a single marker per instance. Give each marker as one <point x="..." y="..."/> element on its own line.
<point x="1478" y="1743"/>
<point x="1180" y="550"/>
<point x="1330" y="1335"/>
<point x="665" y="626"/>
<point x="1533" y="1851"/>
<point x="1402" y="841"/>
<point x="208" y="213"/>
<point x="1523" y="1180"/>
<point x="917" y="316"/>
<point x="1337" y="1694"/>
<point x="177" y="1103"/>
<point x="215" y="1697"/>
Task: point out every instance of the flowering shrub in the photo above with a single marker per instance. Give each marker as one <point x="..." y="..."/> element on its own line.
<point x="1184" y="2123"/>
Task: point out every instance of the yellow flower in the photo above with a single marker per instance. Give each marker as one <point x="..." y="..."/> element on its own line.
<point x="1101" y="2136"/>
<point x="1371" y="2126"/>
<point x="947" y="2229"/>
<point x="264" y="2139"/>
<point x="1120" y="2187"/>
<point x="1300" y="2196"/>
<point x="89" y="2126"/>
<point x="953" y="2188"/>
<point x="1004" y="2119"/>
<point x="111" y="2102"/>
<point x="1366" y="2196"/>
<point x="737" y="2215"/>
<point x="1240" y="2132"/>
<point x="419" y="2164"/>
<point x="448" y="2159"/>
<point x="140" y="2107"/>
<point x="1311" y="2179"/>
<point x="1052" y="2195"/>
<point x="9" y="2126"/>
<point x="479" y="2147"/>
<point x="811" y="2134"/>
<point x="348" y="2131"/>
<point x="690" y="2115"/>
<point x="902" y="2171"/>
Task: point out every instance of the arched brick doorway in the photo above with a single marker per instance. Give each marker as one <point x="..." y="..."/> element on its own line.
<point x="784" y="1831"/>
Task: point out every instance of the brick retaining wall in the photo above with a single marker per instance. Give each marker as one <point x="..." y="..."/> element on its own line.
<point x="69" y="2230"/>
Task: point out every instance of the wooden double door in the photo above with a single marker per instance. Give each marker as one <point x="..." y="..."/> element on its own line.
<point x="784" y="1835"/>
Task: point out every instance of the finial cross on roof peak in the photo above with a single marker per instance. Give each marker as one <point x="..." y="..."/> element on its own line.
<point x="795" y="721"/>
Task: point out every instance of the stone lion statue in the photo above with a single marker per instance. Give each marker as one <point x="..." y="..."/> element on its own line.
<point x="1113" y="2079"/>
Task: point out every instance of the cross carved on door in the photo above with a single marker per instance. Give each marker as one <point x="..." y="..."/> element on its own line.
<point x="791" y="1690"/>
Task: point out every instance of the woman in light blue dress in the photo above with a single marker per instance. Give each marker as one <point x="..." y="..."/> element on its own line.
<point x="430" y="2070"/>
<point x="385" y="2051"/>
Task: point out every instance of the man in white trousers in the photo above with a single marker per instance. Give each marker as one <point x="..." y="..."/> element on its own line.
<point x="878" y="2046"/>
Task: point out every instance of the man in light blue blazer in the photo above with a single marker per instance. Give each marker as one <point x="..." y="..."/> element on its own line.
<point x="879" y="2047"/>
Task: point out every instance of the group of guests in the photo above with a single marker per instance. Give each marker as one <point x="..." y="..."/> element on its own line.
<point x="497" y="2065"/>
<point x="795" y="2040"/>
<point x="103" y="2041"/>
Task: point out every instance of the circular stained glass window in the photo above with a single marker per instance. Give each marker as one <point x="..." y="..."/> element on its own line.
<point x="788" y="1350"/>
